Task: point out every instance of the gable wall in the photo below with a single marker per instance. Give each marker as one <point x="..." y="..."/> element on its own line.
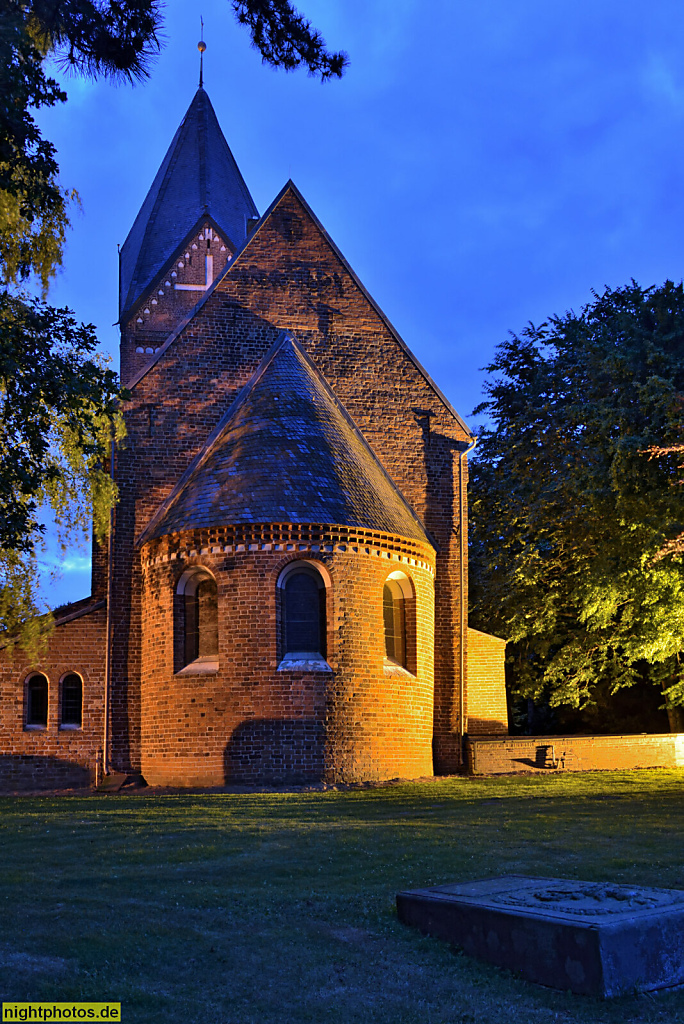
<point x="163" y="305"/>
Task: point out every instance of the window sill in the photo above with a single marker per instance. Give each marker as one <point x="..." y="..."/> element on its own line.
<point x="200" y="667"/>
<point x="70" y="727"/>
<point x="304" y="661"/>
<point x="393" y="668"/>
<point x="35" y="728"/>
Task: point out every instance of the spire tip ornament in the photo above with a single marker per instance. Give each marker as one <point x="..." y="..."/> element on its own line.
<point x="201" y="46"/>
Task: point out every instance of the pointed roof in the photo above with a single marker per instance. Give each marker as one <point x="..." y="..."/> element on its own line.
<point x="287" y="451"/>
<point x="198" y="177"/>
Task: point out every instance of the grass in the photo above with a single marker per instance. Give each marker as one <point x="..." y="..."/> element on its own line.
<point x="279" y="907"/>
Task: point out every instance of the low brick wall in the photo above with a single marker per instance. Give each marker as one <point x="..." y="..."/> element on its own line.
<point x="498" y="755"/>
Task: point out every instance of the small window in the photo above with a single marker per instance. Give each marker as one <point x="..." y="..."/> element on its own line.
<point x="303" y="612"/>
<point x="37" y="701"/>
<point x="72" y="700"/>
<point x="394" y="617"/>
<point x="198" y="620"/>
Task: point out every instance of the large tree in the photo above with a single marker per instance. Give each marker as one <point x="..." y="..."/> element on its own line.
<point x="575" y="498"/>
<point x="58" y="399"/>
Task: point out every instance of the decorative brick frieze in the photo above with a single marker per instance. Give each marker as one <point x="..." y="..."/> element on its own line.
<point x="288" y="537"/>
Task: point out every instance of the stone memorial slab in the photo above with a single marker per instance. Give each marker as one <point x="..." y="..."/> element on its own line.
<point x="591" y="938"/>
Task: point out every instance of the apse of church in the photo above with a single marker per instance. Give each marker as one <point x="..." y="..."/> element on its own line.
<point x="282" y="597"/>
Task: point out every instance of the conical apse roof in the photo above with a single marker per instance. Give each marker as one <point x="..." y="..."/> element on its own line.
<point x="198" y="176"/>
<point x="287" y="451"/>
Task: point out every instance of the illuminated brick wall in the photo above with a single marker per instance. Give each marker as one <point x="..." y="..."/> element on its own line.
<point x="250" y="722"/>
<point x="486" y="708"/>
<point x="54" y="757"/>
<point x="172" y="296"/>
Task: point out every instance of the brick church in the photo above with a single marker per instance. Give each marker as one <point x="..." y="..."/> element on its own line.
<point x="283" y="597"/>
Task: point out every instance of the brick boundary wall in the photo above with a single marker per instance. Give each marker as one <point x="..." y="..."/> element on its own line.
<point x="511" y="754"/>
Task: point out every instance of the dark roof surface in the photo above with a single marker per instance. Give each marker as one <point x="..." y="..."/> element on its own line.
<point x="198" y="176"/>
<point x="287" y="452"/>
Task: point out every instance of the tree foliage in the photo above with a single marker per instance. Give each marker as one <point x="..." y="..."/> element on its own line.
<point x="33" y="207"/>
<point x="116" y="39"/>
<point x="570" y="516"/>
<point x="286" y="39"/>
<point x="58" y="417"/>
<point x="58" y="400"/>
<point x="57" y="405"/>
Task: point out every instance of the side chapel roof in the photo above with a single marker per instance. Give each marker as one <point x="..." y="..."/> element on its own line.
<point x="198" y="177"/>
<point x="287" y="451"/>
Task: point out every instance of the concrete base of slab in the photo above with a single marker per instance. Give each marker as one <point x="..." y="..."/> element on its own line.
<point x="111" y="783"/>
<point x="586" y="937"/>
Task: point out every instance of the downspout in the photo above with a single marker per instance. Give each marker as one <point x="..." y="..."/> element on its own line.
<point x="108" y="632"/>
<point x="110" y="585"/>
<point x="461" y="613"/>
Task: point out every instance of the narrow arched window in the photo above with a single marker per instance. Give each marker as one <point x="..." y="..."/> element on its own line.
<point x="37" y="701"/>
<point x="303" y="612"/>
<point x="394" y="618"/>
<point x="199" y="618"/>
<point x="72" y="700"/>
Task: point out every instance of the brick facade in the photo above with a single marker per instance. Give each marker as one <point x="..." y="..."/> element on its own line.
<point x="186" y="355"/>
<point x="54" y="756"/>
<point x="486" y="709"/>
<point x="253" y="721"/>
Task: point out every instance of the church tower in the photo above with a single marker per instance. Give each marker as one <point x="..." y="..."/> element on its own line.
<point x="196" y="215"/>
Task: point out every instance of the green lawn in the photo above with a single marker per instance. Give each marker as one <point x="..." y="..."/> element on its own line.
<point x="277" y="907"/>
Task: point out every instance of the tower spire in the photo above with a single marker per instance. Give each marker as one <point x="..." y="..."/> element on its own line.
<point x="201" y="46"/>
<point x="198" y="176"/>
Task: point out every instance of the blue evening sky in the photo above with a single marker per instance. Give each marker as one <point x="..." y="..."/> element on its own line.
<point x="481" y="164"/>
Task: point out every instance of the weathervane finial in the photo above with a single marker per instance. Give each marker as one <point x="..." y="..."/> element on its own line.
<point x="201" y="46"/>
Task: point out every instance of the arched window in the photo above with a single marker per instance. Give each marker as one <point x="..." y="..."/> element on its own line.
<point x="72" y="701"/>
<point x="398" y="608"/>
<point x="394" y="617"/>
<point x="198" y="619"/>
<point x="37" y="701"/>
<point x="303" y="612"/>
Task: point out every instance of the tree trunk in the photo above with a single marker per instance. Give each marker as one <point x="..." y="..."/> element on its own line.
<point x="676" y="718"/>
